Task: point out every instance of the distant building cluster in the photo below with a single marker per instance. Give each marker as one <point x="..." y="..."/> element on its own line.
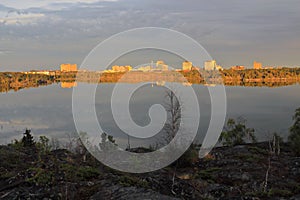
<point x="68" y="67"/>
<point x="237" y="67"/>
<point x="117" y="68"/>
<point x="212" y="65"/>
<point x="160" y="65"/>
<point x="42" y="72"/>
<point x="145" y="68"/>
<point x="208" y="66"/>
<point x="270" y="67"/>
<point x="257" y="65"/>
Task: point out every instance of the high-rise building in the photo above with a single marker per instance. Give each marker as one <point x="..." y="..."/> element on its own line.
<point x="160" y="65"/>
<point x="128" y="67"/>
<point x="160" y="62"/>
<point x="210" y="65"/>
<point x="187" y="66"/>
<point x="68" y="67"/>
<point x="116" y="68"/>
<point x="257" y="65"/>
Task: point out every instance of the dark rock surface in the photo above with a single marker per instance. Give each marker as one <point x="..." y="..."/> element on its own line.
<point x="125" y="193"/>
<point x="227" y="173"/>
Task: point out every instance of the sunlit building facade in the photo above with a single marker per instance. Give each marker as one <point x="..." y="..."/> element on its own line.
<point x="257" y="65"/>
<point x="117" y="68"/>
<point x="210" y="65"/>
<point x="187" y="66"/>
<point x="160" y="65"/>
<point x="68" y="67"/>
<point x="68" y="84"/>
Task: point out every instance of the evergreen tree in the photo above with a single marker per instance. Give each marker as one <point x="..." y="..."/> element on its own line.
<point x="294" y="137"/>
<point x="27" y="139"/>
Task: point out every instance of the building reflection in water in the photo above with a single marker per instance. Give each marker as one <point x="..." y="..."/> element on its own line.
<point x="68" y="84"/>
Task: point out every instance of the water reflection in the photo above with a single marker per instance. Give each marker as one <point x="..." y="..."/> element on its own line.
<point x="48" y="110"/>
<point x="18" y="80"/>
<point x="68" y="84"/>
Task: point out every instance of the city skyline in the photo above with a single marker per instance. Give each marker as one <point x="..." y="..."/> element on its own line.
<point x="185" y="65"/>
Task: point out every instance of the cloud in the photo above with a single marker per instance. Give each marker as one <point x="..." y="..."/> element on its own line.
<point x="19" y="17"/>
<point x="45" y="3"/>
<point x="3" y="52"/>
<point x="4" y="122"/>
<point x="231" y="31"/>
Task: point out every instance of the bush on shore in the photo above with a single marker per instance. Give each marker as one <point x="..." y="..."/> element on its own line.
<point x="294" y="137"/>
<point x="236" y="133"/>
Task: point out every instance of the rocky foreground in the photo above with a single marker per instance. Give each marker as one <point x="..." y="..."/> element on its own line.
<point x="240" y="172"/>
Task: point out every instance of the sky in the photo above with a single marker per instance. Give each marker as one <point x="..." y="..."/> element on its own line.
<point x="42" y="34"/>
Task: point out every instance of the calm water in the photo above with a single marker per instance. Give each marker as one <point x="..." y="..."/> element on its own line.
<point x="48" y="110"/>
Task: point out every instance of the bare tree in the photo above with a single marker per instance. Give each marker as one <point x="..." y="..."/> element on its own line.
<point x="54" y="144"/>
<point x="71" y="141"/>
<point x="172" y="125"/>
<point x="173" y="108"/>
<point x="274" y="150"/>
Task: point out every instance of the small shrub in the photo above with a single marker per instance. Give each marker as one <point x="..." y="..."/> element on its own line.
<point x="107" y="142"/>
<point x="208" y="174"/>
<point x="294" y="137"/>
<point x="236" y="133"/>
<point x="274" y="192"/>
<point x="43" y="144"/>
<point x="189" y="158"/>
<point x="258" y="150"/>
<point x="86" y="173"/>
<point x="128" y="181"/>
<point x="16" y="144"/>
<point x="209" y="157"/>
<point x="41" y="177"/>
<point x="81" y="173"/>
<point x="249" y="157"/>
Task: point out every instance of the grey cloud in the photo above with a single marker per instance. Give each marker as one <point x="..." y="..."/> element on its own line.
<point x="3" y="52"/>
<point x="45" y="3"/>
<point x="234" y="32"/>
<point x="19" y="18"/>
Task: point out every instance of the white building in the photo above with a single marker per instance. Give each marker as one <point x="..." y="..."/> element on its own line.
<point x="210" y="65"/>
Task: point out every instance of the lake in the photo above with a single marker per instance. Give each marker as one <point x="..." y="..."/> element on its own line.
<point x="48" y="110"/>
